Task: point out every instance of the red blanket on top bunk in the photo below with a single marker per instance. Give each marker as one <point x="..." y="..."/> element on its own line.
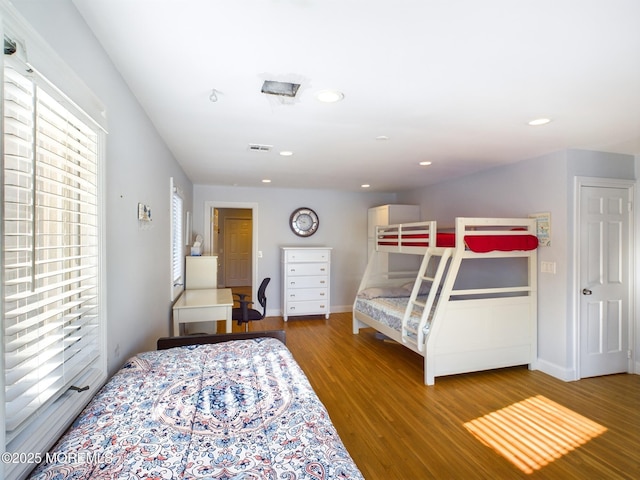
<point x="418" y="240"/>
<point x="475" y="243"/>
<point x="503" y="243"/>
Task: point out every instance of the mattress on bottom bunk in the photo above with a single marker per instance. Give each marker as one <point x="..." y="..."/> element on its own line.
<point x="241" y="409"/>
<point x="390" y="310"/>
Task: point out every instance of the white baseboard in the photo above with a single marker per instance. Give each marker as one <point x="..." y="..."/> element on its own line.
<point x="569" y="374"/>
<point x="561" y="373"/>
<point x="342" y="308"/>
<point x="334" y="309"/>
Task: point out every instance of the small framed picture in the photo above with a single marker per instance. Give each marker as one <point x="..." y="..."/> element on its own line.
<point x="543" y="228"/>
<point x="144" y="212"/>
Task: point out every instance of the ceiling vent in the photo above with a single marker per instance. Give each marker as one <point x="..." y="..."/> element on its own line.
<point x="284" y="89"/>
<point x="257" y="147"/>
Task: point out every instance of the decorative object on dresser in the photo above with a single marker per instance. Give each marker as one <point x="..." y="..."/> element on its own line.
<point x="304" y="222"/>
<point x="306" y="281"/>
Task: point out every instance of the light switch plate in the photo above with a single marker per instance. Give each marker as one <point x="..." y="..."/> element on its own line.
<point x="548" y="267"/>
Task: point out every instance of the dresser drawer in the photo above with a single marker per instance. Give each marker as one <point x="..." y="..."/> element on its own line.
<point x="308" y="269"/>
<point x="310" y="281"/>
<point x="312" y="307"/>
<point x="307" y="255"/>
<point x="304" y="294"/>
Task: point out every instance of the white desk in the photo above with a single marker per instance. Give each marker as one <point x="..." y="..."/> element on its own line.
<point x="203" y="305"/>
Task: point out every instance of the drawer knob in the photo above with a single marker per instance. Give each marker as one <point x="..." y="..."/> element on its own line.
<point x="322" y="294"/>
<point x="322" y="269"/>
<point x="322" y="281"/>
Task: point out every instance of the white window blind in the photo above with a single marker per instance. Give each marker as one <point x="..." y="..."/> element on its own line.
<point x="51" y="246"/>
<point x="177" y="240"/>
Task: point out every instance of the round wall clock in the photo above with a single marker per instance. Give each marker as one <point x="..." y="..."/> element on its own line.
<point x="304" y="222"/>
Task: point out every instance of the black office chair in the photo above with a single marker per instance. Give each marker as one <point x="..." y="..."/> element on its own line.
<point x="244" y="314"/>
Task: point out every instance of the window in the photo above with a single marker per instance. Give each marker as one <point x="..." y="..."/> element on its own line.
<point x="52" y="289"/>
<point x="177" y="240"/>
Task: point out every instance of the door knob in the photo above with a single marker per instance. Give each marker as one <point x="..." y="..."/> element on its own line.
<point x="586" y="291"/>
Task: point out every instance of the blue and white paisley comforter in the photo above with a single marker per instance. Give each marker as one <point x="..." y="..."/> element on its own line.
<point x="233" y="410"/>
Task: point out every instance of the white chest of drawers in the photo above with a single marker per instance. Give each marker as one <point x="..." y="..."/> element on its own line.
<point x="306" y="274"/>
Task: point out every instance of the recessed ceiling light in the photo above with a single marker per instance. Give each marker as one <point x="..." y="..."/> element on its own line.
<point x="266" y="180"/>
<point x="382" y="137"/>
<point x="286" y="153"/>
<point x="539" y="121"/>
<point x="424" y="163"/>
<point x="329" y="96"/>
<point x="365" y="185"/>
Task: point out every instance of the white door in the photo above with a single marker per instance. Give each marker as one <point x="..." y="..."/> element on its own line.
<point x="237" y="252"/>
<point x="605" y="266"/>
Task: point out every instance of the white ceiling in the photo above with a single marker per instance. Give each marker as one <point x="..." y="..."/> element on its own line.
<point x="453" y="82"/>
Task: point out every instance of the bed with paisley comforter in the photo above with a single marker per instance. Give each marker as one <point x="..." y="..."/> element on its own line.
<point x="240" y="409"/>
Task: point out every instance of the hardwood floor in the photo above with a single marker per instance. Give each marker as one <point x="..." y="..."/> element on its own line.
<point x="395" y="427"/>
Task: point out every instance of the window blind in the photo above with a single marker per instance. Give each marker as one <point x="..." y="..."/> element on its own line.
<point x="177" y="249"/>
<point x="51" y="246"/>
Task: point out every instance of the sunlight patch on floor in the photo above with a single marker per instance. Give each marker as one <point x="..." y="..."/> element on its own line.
<point x="534" y="432"/>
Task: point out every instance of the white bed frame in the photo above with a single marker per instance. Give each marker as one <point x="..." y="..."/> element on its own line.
<point x="482" y="328"/>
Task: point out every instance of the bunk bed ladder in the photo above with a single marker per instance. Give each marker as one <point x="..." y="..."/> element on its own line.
<point x="415" y="336"/>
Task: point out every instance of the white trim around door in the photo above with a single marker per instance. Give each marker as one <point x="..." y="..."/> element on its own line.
<point x="576" y="290"/>
<point x="209" y="205"/>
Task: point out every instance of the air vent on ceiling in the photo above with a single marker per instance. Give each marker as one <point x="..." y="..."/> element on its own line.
<point x="257" y="147"/>
<point x="285" y="89"/>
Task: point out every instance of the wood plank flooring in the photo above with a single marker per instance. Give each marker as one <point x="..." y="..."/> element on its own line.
<point x="395" y="427"/>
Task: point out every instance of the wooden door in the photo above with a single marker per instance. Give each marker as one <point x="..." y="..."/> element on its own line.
<point x="237" y="252"/>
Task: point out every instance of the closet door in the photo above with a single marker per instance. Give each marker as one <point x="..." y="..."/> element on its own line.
<point x="605" y="260"/>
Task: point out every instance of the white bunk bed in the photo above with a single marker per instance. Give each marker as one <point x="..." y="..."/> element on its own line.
<point x="457" y="329"/>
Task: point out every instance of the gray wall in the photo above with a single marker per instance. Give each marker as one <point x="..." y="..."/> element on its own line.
<point x="139" y="167"/>
<point x="636" y="347"/>
<point x="542" y="184"/>
<point x="343" y="226"/>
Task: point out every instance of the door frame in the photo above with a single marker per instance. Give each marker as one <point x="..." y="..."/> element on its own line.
<point x="629" y="185"/>
<point x="209" y="205"/>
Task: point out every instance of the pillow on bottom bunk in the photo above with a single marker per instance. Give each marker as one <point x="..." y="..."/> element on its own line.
<point x="377" y="292"/>
<point x="424" y="288"/>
